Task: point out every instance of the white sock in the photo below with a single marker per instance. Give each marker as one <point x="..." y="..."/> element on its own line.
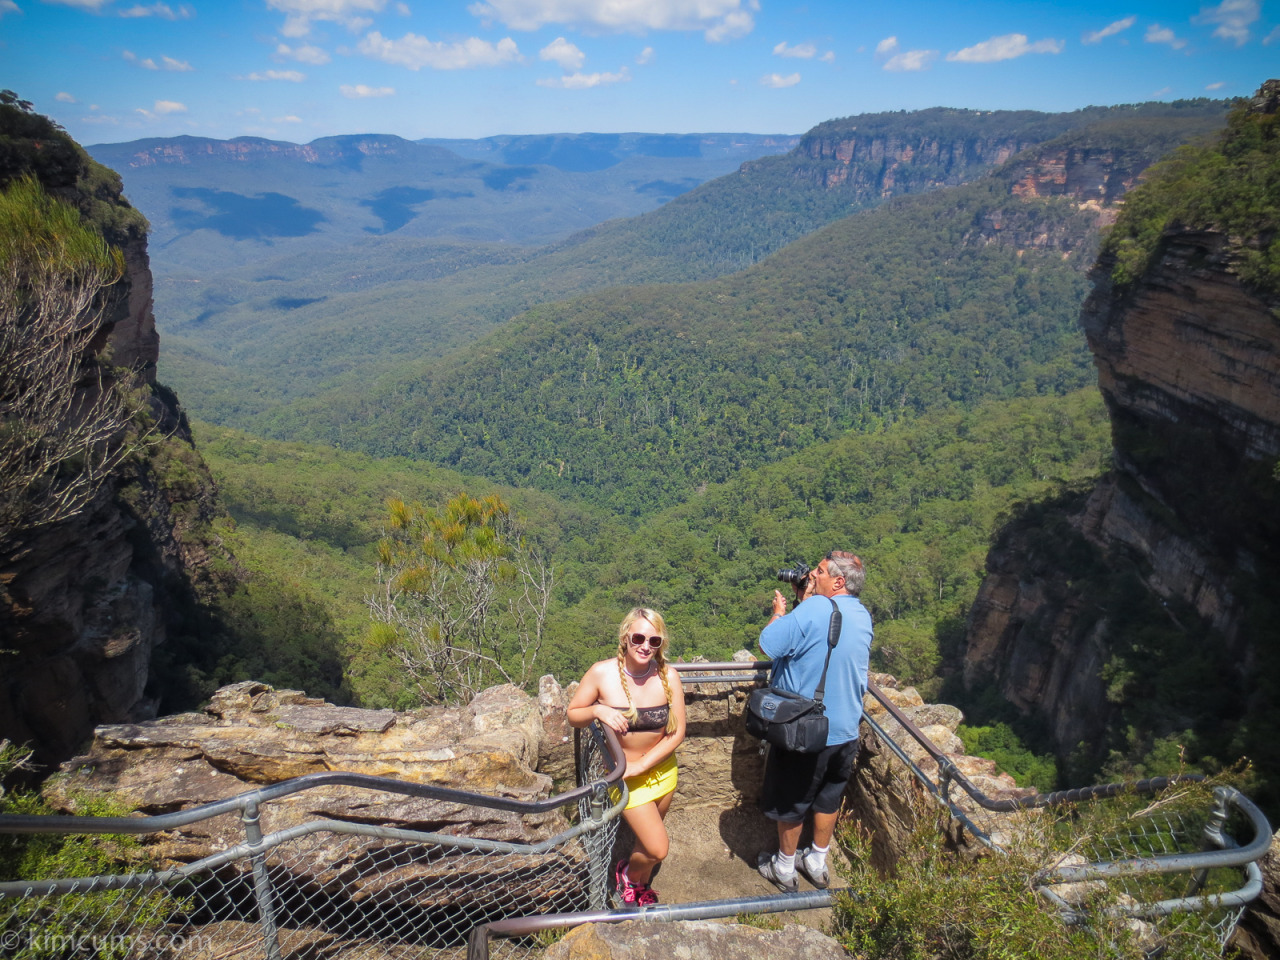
<point x="816" y="858"/>
<point x="785" y="865"/>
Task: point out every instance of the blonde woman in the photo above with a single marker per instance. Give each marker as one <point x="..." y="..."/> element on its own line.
<point x="639" y="695"/>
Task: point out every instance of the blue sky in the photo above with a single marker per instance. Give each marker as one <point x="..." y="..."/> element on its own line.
<point x="116" y="70"/>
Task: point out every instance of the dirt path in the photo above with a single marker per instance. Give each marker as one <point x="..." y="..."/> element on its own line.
<point x="713" y="857"/>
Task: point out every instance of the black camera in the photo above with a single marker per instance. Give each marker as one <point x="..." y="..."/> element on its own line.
<point x="796" y="574"/>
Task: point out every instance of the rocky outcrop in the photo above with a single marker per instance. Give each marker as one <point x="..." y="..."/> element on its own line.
<point x="1189" y="364"/>
<point x="639" y="940"/>
<point x="1099" y="174"/>
<point x="504" y="743"/>
<point x="251" y="735"/>
<point x="885" y="166"/>
<point x="1141" y="608"/>
<point x="1258" y="934"/>
<point x="85" y="603"/>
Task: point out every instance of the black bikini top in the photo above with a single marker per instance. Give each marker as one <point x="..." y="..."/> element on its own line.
<point x="649" y="718"/>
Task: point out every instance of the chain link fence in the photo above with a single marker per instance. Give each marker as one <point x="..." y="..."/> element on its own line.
<point x="1172" y="868"/>
<point x="325" y="888"/>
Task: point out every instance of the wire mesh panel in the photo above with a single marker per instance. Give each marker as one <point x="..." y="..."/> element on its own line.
<point x="1179" y="901"/>
<point x="322" y="888"/>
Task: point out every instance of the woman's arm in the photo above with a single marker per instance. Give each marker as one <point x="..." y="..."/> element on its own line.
<point x="666" y="746"/>
<point x="586" y="706"/>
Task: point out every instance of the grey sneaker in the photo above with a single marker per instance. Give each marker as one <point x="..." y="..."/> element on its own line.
<point x="764" y="863"/>
<point x="819" y="878"/>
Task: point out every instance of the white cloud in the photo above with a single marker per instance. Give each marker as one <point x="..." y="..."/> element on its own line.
<point x="801" y="51"/>
<point x="293" y="76"/>
<point x="162" y="10"/>
<point x="1216" y="86"/>
<point x="303" y="54"/>
<point x="416" y="52"/>
<point x="778" y="81"/>
<point x="361" y="92"/>
<point x="166" y="63"/>
<point x="403" y="10"/>
<point x="1232" y="17"/>
<point x="169" y="106"/>
<point x="910" y="61"/>
<point x="65" y="98"/>
<point x="719" y="19"/>
<point x="645" y="56"/>
<point x="584" y="81"/>
<point x="563" y="52"/>
<point x="91" y="5"/>
<point x="300" y="13"/>
<point x="8" y="6"/>
<point x="146" y="64"/>
<point x="733" y="26"/>
<point x="1110" y="30"/>
<point x="289" y="119"/>
<point x="1159" y="34"/>
<point x="1007" y="47"/>
<point x="828" y="57"/>
<point x="886" y="46"/>
<point x="1272" y="37"/>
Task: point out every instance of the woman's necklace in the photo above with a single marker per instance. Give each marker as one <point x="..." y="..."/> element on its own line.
<point x="639" y="676"/>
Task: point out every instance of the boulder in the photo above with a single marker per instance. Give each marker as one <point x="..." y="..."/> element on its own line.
<point x="1258" y="935"/>
<point x="643" y="940"/>
<point x="252" y="735"/>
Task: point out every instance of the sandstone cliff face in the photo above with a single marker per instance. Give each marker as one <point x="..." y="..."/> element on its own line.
<point x="85" y="603"/>
<point x="878" y="166"/>
<point x="1189" y="364"/>
<point x="1103" y="175"/>
<point x="885" y="166"/>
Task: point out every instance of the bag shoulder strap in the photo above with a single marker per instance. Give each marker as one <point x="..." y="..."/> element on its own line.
<point x="833" y="637"/>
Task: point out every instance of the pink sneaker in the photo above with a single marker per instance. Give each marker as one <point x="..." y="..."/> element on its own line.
<point x="647" y="896"/>
<point x="628" y="892"/>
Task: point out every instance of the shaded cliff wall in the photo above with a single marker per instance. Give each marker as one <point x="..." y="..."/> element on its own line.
<point x="85" y="604"/>
<point x="1141" y="609"/>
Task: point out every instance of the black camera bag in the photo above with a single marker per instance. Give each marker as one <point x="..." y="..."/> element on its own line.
<point x="788" y="720"/>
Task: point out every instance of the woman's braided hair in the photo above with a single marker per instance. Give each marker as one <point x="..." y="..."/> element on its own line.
<point x="624" y="637"/>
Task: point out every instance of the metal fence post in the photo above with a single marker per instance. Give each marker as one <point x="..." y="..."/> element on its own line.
<point x="262" y="892"/>
<point x="1215" y="837"/>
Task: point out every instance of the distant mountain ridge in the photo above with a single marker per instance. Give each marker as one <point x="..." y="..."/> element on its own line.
<point x="281" y="330"/>
<point x="583" y="152"/>
<point x="215" y="204"/>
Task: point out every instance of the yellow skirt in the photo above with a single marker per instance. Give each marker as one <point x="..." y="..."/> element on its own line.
<point x="653" y="784"/>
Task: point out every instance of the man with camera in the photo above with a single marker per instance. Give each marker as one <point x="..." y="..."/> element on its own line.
<point x="800" y="785"/>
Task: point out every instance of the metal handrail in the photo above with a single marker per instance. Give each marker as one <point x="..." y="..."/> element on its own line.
<point x="950" y="772"/>
<point x="271" y="840"/>
<point x="1232" y="856"/>
<point x="478" y="942"/>
<point x="730" y="672"/>
<point x="143" y="823"/>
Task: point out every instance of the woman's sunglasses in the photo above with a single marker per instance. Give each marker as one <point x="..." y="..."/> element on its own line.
<point x="639" y="640"/>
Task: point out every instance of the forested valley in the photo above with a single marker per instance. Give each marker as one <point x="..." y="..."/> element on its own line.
<point x="822" y="350"/>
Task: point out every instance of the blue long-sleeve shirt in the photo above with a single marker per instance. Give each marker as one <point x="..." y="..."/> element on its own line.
<point x="797" y="645"/>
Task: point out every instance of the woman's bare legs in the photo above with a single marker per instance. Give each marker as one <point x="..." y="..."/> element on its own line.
<point x="652" y="842"/>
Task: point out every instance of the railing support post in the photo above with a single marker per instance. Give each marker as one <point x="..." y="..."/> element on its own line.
<point x="262" y="892"/>
<point x="1215" y="837"/>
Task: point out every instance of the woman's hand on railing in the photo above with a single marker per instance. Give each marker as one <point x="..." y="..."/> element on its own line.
<point x="614" y="719"/>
